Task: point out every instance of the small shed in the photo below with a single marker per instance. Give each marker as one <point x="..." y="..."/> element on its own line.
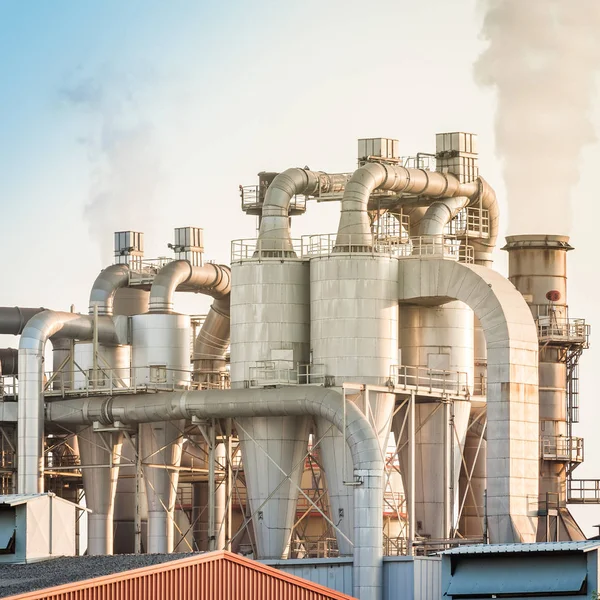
<point x="542" y="570"/>
<point x="36" y="527"/>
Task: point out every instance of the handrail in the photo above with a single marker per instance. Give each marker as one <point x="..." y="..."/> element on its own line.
<point x="310" y="246"/>
<point x="431" y="380"/>
<point x="559" y="328"/>
<point x="557" y="447"/>
<point x="116" y="380"/>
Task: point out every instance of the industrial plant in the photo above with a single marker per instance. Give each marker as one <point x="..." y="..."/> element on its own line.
<point x="352" y="396"/>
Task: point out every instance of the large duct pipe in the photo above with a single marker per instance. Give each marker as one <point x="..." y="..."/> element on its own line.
<point x="440" y="213"/>
<point x="213" y="280"/>
<point x="105" y="287"/>
<point x="274" y="232"/>
<point x="14" y="318"/>
<point x="212" y="341"/>
<point x="9" y="361"/>
<point x="31" y="407"/>
<point x="292" y="401"/>
<point x="355" y="228"/>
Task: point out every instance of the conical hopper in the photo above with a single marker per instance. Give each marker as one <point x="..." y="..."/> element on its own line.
<point x="332" y="448"/>
<point x="161" y="445"/>
<point x="429" y="462"/>
<point x="272" y="497"/>
<point x="98" y="451"/>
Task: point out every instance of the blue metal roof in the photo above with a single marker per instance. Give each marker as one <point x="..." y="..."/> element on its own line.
<point x="583" y="546"/>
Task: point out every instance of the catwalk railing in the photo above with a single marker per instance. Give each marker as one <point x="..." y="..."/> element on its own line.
<point x="430" y="380"/>
<point x="311" y="246"/>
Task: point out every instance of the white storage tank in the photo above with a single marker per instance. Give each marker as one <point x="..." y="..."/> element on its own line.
<point x="270" y="326"/>
<point x="354" y="335"/>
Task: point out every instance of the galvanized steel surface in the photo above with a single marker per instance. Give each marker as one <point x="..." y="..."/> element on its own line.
<point x="161" y="341"/>
<point x="270" y="315"/>
<point x="275" y="226"/>
<point x="105" y="287"/>
<point x="9" y="361"/>
<point x="102" y="451"/>
<point x="512" y="344"/>
<point x="210" y="279"/>
<point x="272" y="497"/>
<point x="31" y="406"/>
<point x="14" y="318"/>
<point x="575" y="546"/>
<point x="354" y="335"/>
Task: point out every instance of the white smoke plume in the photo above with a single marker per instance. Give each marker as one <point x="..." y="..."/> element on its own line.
<point x="124" y="158"/>
<point x="542" y="60"/>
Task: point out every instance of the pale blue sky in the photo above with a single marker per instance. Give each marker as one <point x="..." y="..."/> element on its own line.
<point x="158" y="110"/>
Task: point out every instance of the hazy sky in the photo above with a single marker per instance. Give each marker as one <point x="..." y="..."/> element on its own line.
<point x="147" y="115"/>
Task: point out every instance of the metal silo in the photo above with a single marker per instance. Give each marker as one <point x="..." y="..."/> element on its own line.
<point x="161" y="360"/>
<point x="269" y="338"/>
<point x="354" y="335"/>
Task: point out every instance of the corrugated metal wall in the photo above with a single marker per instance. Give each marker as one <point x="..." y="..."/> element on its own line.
<point x="215" y="576"/>
<point x="416" y="577"/>
<point x="334" y="573"/>
<point x="404" y="577"/>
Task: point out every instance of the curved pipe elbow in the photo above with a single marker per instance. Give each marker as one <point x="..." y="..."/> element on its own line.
<point x="440" y="213"/>
<point x="274" y="232"/>
<point x="66" y="325"/>
<point x="213" y="280"/>
<point x="486" y="195"/>
<point x="105" y="287"/>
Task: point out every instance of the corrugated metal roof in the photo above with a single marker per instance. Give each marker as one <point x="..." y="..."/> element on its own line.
<point x="16" y="499"/>
<point x="194" y="578"/>
<point x="583" y="546"/>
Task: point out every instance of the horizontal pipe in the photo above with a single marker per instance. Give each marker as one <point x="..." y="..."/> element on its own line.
<point x="105" y="287"/>
<point x="31" y="406"/>
<point x="210" y="279"/>
<point x="291" y="401"/>
<point x="14" y="318"/>
<point x="9" y="361"/>
<point x="355" y="227"/>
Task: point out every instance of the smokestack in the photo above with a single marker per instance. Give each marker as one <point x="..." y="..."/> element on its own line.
<point x="541" y="59"/>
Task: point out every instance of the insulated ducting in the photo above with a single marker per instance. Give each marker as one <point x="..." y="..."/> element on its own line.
<point x="9" y="361"/>
<point x="31" y="407"/>
<point x="292" y="401"/>
<point x="274" y="233"/>
<point x="210" y="279"/>
<point x="354" y="229"/>
<point x="105" y="287"/>
<point x="212" y="341"/>
<point x="14" y="318"/>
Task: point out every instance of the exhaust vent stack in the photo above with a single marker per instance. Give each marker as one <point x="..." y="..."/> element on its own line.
<point x="129" y="249"/>
<point x="189" y="245"/>
<point x="378" y="150"/>
<point x="456" y="153"/>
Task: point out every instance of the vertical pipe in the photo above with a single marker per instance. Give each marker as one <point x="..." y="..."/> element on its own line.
<point x="447" y="459"/>
<point x="137" y="518"/>
<point x="411" y="453"/>
<point x="229" y="491"/>
<point x="211" y="488"/>
<point x="220" y="496"/>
